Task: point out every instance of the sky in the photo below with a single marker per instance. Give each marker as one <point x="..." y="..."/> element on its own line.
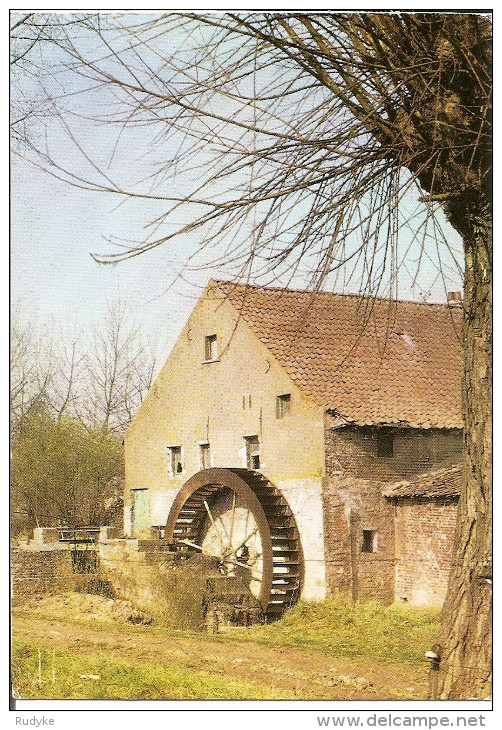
<point x="55" y="227"/>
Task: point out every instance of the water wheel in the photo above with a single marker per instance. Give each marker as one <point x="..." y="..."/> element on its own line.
<point x="240" y="518"/>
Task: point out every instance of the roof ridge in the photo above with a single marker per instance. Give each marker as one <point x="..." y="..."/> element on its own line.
<point x="330" y="293"/>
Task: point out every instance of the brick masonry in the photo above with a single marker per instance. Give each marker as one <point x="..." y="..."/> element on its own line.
<point x="38" y="569"/>
<point x="143" y="572"/>
<point x="352" y="497"/>
<point x="425" y="530"/>
<point x="40" y="566"/>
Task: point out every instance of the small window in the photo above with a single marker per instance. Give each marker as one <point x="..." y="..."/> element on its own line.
<point x="385" y="443"/>
<point x="210" y="352"/>
<point x="252" y="452"/>
<point x="370" y="542"/>
<point x="283" y="405"/>
<point x="175" y="459"/>
<point x="205" y="456"/>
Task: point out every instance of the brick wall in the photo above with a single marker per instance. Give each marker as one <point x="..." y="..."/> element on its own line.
<point x="353" y="451"/>
<point x="40" y="569"/>
<point x="353" y="503"/>
<point x="350" y="506"/>
<point x="424" y="542"/>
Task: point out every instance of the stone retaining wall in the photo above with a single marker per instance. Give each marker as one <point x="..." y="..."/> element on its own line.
<point x="145" y="573"/>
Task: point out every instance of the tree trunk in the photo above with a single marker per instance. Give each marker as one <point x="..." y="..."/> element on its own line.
<point x="465" y="642"/>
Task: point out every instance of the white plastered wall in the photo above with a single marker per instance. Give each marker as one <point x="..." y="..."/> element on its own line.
<point x="304" y="499"/>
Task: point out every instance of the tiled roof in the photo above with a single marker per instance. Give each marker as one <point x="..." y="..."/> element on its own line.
<point x="441" y="483"/>
<point x="369" y="360"/>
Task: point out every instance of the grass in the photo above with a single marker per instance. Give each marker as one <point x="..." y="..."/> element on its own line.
<point x="366" y="630"/>
<point x="120" y="679"/>
<point x="393" y="635"/>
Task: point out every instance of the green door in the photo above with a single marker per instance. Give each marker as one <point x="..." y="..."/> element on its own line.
<point x="141" y="513"/>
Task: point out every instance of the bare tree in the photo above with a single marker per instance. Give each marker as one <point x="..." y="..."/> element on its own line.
<point x="119" y="370"/>
<point x="27" y="31"/>
<point x="69" y="405"/>
<point x="30" y="367"/>
<point x="66" y="393"/>
<point x="30" y="34"/>
<point x="46" y="368"/>
<point x="306" y="134"/>
<point x="54" y="370"/>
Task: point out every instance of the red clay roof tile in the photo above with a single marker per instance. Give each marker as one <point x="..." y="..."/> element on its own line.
<point x="369" y="360"/>
<point x="441" y="483"/>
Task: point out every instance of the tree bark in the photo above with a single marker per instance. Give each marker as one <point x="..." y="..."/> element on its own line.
<point x="465" y="642"/>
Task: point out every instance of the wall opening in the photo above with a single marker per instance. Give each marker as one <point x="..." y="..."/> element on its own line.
<point x="252" y="452"/>
<point x="205" y="456"/>
<point x="246" y="402"/>
<point x="140" y="512"/>
<point x="175" y="463"/>
<point x="283" y="405"/>
<point x="84" y="561"/>
<point x="210" y="348"/>
<point x="370" y="541"/>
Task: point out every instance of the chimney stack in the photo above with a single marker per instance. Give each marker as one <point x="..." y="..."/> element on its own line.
<point x="454" y="298"/>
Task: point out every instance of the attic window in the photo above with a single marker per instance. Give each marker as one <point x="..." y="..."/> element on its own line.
<point x="283" y="405"/>
<point x="210" y="351"/>
<point x="370" y="541"/>
<point x="252" y="452"/>
<point x="175" y="460"/>
<point x="385" y="443"/>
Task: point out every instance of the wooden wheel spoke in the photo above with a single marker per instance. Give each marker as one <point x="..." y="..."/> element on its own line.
<point x="185" y="541"/>
<point x="242" y="565"/>
<point x="246" y="523"/>
<point x="233" y="519"/>
<point x="247" y="538"/>
<point x="229" y="541"/>
<point x="214" y="525"/>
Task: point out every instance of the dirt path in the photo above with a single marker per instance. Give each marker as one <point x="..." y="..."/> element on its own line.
<point x="314" y="674"/>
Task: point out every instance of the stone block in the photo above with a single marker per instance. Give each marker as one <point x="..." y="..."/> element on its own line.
<point x="43" y="535"/>
<point x="110" y="533"/>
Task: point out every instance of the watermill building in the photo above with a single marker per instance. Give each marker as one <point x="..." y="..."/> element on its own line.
<point x="303" y="440"/>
